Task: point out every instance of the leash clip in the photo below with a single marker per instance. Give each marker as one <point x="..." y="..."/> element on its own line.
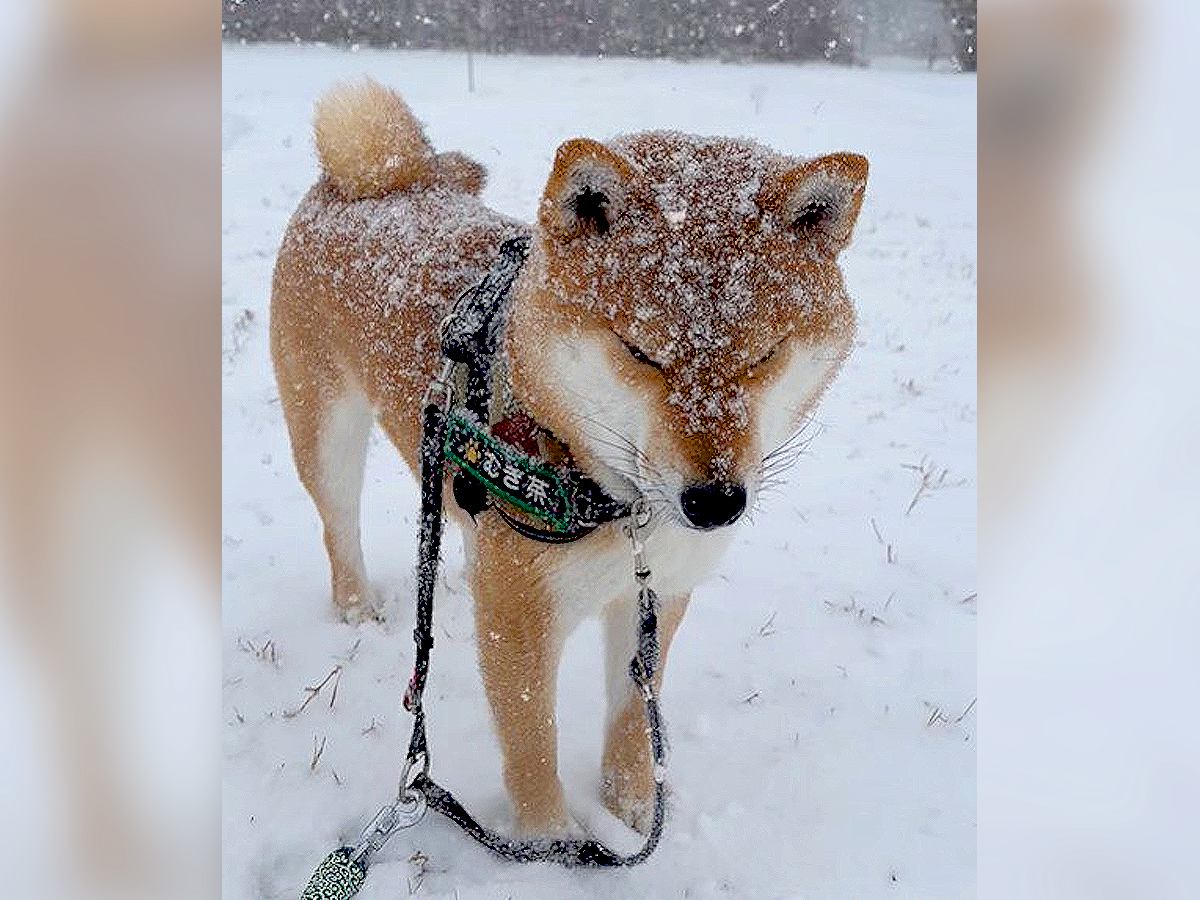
<point x="404" y="813"/>
<point x="639" y="518"/>
<point x="407" y="810"/>
<point x="439" y="391"/>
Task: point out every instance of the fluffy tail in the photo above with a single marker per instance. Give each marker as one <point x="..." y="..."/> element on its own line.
<point x="369" y="142"/>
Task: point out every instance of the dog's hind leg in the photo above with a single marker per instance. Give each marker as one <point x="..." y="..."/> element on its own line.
<point x="329" y="420"/>
<point x="627" y="772"/>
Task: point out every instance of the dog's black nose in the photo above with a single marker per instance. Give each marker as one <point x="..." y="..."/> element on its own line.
<point x="713" y="504"/>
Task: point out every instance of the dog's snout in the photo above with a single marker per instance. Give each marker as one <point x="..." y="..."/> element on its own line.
<point x="713" y="503"/>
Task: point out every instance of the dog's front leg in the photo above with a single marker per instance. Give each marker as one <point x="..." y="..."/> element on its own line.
<point x="519" y="649"/>
<point x="627" y="772"/>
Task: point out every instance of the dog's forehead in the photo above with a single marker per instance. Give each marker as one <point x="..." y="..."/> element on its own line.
<point x="694" y="270"/>
<point x="698" y="182"/>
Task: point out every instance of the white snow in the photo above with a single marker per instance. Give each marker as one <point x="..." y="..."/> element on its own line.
<point x="819" y="700"/>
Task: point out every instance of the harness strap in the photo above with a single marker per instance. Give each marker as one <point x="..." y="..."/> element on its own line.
<point x="540" y="534"/>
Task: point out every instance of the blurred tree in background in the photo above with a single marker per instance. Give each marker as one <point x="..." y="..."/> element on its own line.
<point x="842" y="31"/>
<point x="961" y="16"/>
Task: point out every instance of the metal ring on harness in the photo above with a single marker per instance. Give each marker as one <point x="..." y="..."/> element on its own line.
<point x="411" y="772"/>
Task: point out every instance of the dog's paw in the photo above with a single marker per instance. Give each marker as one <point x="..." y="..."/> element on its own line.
<point x="354" y="609"/>
<point x="632" y="805"/>
<point x="542" y="813"/>
<point x="548" y="831"/>
<point x="558" y="826"/>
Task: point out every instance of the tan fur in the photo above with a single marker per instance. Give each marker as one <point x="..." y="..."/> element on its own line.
<point x="514" y="619"/>
<point x="369" y="143"/>
<point x="459" y="172"/>
<point x="360" y="289"/>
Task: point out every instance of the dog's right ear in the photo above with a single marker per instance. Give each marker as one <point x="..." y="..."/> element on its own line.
<point x="820" y="198"/>
<point x="585" y="194"/>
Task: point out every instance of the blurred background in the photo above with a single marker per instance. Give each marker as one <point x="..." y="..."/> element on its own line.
<point x="109" y="448"/>
<point x="846" y="31"/>
<point x="1089" y="418"/>
<point x="109" y="411"/>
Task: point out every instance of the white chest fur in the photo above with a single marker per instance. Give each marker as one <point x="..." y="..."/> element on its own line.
<point x="589" y="575"/>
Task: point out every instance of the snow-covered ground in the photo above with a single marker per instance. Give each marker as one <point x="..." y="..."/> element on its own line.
<point x="820" y="697"/>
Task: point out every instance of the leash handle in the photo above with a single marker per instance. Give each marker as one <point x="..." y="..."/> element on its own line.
<point x="343" y="872"/>
<point x="338" y="877"/>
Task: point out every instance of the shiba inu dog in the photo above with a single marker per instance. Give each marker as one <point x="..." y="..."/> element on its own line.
<point x="680" y="312"/>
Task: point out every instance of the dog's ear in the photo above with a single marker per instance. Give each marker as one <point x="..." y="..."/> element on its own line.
<point x="585" y="193"/>
<point x="819" y="198"/>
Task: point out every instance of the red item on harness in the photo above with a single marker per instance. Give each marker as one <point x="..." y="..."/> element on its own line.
<point x="520" y="431"/>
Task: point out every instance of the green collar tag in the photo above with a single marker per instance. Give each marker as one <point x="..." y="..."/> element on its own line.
<point x="509" y="474"/>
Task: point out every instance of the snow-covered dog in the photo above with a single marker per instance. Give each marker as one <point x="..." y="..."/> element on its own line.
<point x="680" y="312"/>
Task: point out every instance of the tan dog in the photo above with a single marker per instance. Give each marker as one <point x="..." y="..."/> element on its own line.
<point x="680" y="312"/>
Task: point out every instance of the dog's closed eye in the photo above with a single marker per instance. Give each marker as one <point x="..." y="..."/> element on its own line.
<point x="640" y="356"/>
<point x="768" y="355"/>
<point x="765" y="358"/>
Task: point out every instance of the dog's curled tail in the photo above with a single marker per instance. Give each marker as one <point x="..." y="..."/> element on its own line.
<point x="371" y="145"/>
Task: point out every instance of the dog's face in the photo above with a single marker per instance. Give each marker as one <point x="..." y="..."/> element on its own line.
<point x="683" y="310"/>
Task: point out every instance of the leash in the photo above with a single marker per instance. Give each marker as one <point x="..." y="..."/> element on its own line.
<point x="571" y="506"/>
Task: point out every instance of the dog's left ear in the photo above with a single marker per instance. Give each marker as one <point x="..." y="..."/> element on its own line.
<point x="585" y="194"/>
<point x="820" y="198"/>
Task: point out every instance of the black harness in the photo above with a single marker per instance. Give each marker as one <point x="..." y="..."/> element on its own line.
<point x="567" y="501"/>
<point x="490" y="473"/>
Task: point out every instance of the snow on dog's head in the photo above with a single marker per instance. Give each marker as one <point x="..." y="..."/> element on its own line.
<point x="683" y="310"/>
